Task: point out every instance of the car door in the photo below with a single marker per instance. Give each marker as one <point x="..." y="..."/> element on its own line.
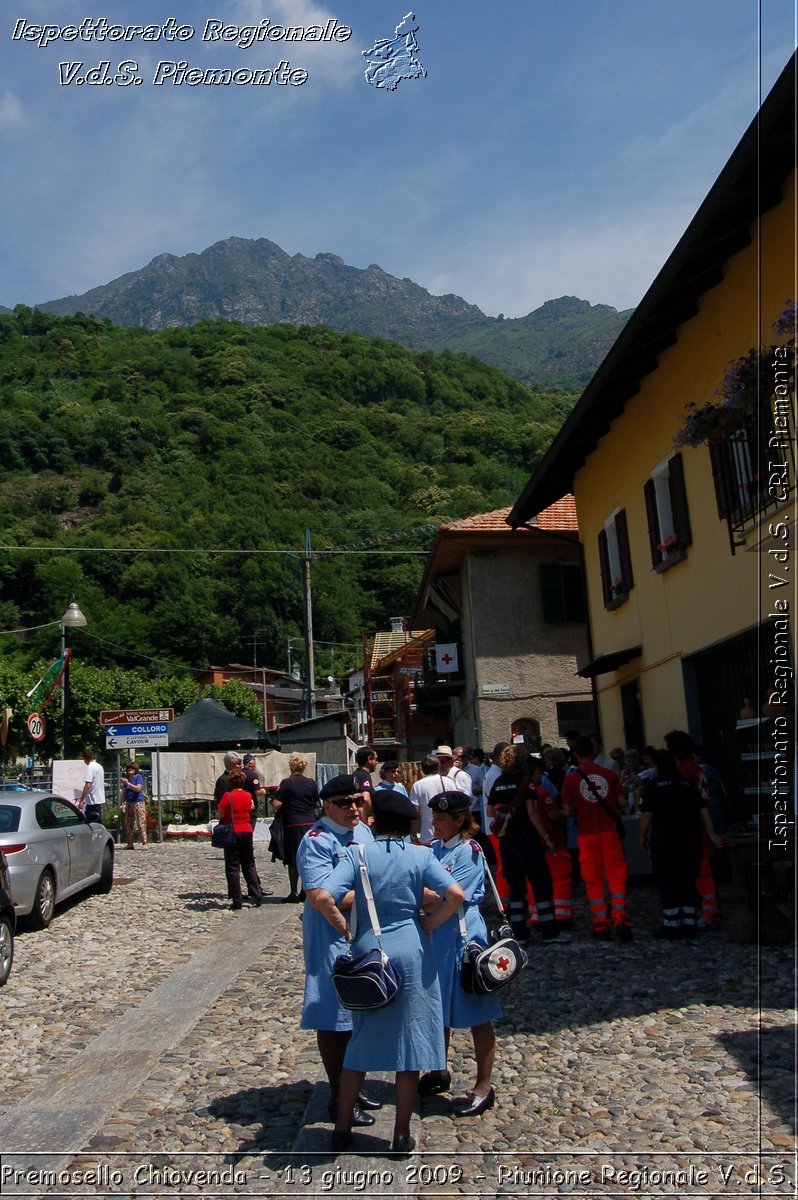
<point x="81" y="841"/>
<point x="49" y="843"/>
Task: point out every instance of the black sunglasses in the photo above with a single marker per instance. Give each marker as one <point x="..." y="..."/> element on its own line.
<point x="346" y="801"/>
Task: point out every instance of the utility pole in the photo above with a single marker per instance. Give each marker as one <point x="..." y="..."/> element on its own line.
<point x="310" y="697"/>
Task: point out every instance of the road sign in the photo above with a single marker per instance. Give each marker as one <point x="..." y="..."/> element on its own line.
<point x="136" y="716"/>
<point x="37" y="726"/>
<point x="128" y="736"/>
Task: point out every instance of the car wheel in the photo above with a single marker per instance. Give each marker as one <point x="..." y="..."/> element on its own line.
<point x="44" y="904"/>
<point x="6" y="948"/>
<point x="106" y="880"/>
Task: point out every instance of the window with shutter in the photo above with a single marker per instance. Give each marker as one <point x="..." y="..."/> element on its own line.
<point x="561" y="593"/>
<point x="615" y="560"/>
<point x="667" y="513"/>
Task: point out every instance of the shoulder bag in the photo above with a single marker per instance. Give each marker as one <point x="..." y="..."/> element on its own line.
<point x="616" y="816"/>
<point x="487" y="969"/>
<point x="223" y="835"/>
<point x="368" y="980"/>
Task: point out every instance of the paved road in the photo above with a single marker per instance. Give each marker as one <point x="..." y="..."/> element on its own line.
<point x="152" y="1035"/>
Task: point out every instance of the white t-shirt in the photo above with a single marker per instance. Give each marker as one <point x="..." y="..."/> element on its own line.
<point x="461" y="780"/>
<point x="476" y="775"/>
<point x="421" y="793"/>
<point x="491" y="775"/>
<point x="95" y="776"/>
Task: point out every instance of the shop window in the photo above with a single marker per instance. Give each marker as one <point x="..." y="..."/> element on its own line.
<point x="667" y="513"/>
<point x="615" y="560"/>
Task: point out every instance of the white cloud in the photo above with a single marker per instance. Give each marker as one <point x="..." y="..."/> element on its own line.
<point x="12" y="114"/>
<point x="613" y="261"/>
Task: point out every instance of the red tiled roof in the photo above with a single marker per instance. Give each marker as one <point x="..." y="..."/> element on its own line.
<point x="558" y="516"/>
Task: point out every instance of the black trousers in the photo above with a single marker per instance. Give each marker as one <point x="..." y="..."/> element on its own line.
<point x="524" y="857"/>
<point x="239" y="859"/>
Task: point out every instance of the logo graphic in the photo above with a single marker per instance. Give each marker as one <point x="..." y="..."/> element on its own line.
<point x="390" y="60"/>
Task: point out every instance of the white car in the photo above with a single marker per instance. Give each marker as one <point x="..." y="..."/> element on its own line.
<point x="52" y="852"/>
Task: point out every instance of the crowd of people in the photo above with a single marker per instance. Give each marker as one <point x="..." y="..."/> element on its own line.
<point x="538" y="821"/>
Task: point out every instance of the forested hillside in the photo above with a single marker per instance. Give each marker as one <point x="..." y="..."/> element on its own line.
<point x="220" y="437"/>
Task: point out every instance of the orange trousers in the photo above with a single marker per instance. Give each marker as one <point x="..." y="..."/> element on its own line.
<point x="706" y="886"/>
<point x="560" y="868"/>
<point x="601" y="858"/>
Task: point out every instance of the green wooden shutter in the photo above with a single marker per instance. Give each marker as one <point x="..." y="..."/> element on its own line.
<point x="678" y="492"/>
<point x="551" y="593"/>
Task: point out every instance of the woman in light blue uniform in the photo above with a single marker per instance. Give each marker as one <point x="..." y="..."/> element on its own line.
<point x="406" y="1036"/>
<point x="454" y="827"/>
<point x="319" y="851"/>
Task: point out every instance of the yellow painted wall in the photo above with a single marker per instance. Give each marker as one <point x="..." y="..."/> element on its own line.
<point x="712" y="594"/>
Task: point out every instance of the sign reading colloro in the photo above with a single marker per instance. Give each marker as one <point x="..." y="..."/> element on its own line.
<point x="132" y="737"/>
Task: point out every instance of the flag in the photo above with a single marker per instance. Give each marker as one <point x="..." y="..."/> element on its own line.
<point x="49" y="681"/>
<point x="446" y="658"/>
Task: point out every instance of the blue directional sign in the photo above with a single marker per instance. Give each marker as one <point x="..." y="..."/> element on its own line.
<point x="131" y="737"/>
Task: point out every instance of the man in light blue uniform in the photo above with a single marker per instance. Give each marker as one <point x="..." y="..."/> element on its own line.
<point x="317" y="856"/>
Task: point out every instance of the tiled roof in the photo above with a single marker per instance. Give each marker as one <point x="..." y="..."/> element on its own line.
<point x="559" y="516"/>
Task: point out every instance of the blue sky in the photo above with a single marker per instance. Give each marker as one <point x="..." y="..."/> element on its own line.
<point x="556" y="147"/>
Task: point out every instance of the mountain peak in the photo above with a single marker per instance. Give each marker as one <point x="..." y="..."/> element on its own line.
<point x="255" y="282"/>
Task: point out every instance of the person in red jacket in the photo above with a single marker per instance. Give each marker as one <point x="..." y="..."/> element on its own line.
<point x="238" y="804"/>
<point x="593" y="794"/>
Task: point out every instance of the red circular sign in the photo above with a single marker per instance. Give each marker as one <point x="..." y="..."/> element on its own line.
<point x="37" y="726"/>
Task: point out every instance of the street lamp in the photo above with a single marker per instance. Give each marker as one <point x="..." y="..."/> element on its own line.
<point x="73" y="618"/>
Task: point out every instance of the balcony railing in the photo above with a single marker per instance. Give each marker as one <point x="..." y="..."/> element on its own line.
<point x="754" y="468"/>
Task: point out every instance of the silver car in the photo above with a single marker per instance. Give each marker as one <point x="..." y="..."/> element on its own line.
<point x="52" y="852"/>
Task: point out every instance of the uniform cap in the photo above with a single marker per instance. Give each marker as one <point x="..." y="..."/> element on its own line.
<point x="450" y="802"/>
<point x="340" y="785"/>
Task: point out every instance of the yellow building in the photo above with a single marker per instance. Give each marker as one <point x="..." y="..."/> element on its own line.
<point x="685" y="546"/>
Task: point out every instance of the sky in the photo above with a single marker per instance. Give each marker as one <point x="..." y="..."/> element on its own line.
<point x="554" y="147"/>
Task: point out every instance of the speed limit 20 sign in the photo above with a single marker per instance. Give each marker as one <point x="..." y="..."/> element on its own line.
<point x="37" y="726"/>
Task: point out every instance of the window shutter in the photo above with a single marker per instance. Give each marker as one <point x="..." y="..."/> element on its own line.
<point x="551" y="593"/>
<point x="604" y="563"/>
<point x="652" y="516"/>
<point x="718" y="461"/>
<point x="624" y="550"/>
<point x="678" y="491"/>
<point x="573" y="596"/>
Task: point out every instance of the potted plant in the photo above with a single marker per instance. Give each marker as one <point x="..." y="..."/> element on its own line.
<point x="748" y="381"/>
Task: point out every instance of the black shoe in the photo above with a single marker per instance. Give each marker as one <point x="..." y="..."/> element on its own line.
<point x="292" y="899"/>
<point x="358" y="1116"/>
<point x="235" y="906"/>
<point x="433" y="1083"/>
<point x="366" y="1103"/>
<point x="473" y="1105"/>
<point x="403" y="1144"/>
<point x="602" y="935"/>
<point x="341" y="1140"/>
<point x="624" y="933"/>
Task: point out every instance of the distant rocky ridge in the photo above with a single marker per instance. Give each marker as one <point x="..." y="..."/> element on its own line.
<point x="257" y="283"/>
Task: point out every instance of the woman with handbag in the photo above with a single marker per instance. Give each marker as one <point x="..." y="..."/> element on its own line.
<point x="405" y="1036"/>
<point x="235" y="808"/>
<point x="454" y="825"/>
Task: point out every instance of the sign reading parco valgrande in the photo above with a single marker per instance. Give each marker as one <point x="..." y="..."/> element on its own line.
<point x="135" y="716"/>
<point x="135" y="729"/>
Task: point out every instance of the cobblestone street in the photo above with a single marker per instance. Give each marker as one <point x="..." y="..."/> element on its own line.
<point x="622" y="1070"/>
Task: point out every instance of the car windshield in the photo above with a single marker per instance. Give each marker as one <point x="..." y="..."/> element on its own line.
<point x="9" y="818"/>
